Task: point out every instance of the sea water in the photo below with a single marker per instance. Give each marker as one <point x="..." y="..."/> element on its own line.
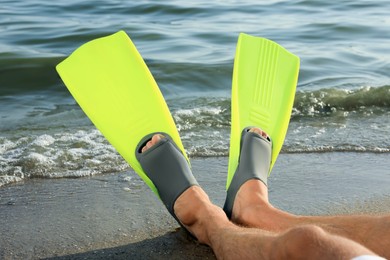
<point x="342" y="102"/>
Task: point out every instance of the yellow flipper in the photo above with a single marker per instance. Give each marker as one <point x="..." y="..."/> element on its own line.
<point x="114" y="87"/>
<point x="264" y="82"/>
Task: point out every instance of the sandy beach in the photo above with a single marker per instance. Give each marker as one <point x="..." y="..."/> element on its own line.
<point x="116" y="216"/>
<point x="66" y="193"/>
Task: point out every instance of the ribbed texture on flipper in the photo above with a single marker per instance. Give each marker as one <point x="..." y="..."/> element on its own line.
<point x="266" y="73"/>
<point x="263" y="89"/>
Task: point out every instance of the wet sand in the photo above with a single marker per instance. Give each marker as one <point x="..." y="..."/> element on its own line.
<point x="116" y="216"/>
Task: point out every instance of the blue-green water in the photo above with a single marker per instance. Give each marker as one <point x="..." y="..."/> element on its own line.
<point x="342" y="103"/>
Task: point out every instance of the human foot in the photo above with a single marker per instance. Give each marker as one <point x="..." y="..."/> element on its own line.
<point x="250" y="206"/>
<point x="251" y="192"/>
<point x="192" y="205"/>
<point x="254" y="163"/>
<point x="166" y="166"/>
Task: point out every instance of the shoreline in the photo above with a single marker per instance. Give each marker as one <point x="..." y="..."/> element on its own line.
<point x="116" y="216"/>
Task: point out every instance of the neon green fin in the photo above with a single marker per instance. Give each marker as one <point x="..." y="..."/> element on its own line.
<point x="114" y="87"/>
<point x="264" y="83"/>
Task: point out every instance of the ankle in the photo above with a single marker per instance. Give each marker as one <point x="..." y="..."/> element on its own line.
<point x="251" y="215"/>
<point x="190" y="205"/>
<point x="251" y="204"/>
<point x="251" y="194"/>
<point x="252" y="209"/>
<point x="198" y="215"/>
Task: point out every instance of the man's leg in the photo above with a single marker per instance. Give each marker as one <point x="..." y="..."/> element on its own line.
<point x="252" y="209"/>
<point x="210" y="225"/>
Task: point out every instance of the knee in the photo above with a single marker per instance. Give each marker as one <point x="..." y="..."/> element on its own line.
<point x="298" y="241"/>
<point x="305" y="233"/>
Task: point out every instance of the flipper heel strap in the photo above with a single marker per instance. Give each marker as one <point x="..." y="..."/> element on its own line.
<point x="167" y="168"/>
<point x="254" y="163"/>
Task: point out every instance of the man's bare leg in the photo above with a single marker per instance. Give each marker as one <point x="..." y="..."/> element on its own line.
<point x="210" y="225"/>
<point x="252" y="209"/>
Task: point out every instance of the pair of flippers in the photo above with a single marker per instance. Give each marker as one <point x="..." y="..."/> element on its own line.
<point x="112" y="84"/>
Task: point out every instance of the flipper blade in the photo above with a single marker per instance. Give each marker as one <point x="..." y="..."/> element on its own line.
<point x="112" y="84"/>
<point x="263" y="89"/>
